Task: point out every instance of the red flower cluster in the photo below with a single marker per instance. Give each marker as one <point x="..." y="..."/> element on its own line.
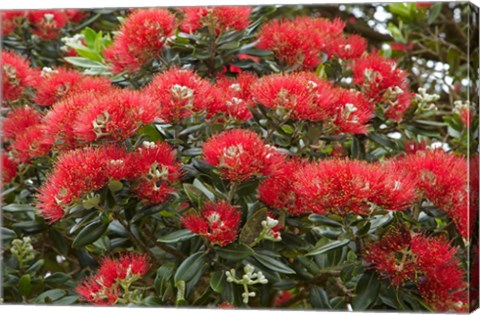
<point x="31" y="143"/>
<point x="23" y="129"/>
<point x="218" y="222"/>
<point x="304" y="96"/>
<point x="383" y="82"/>
<point x="180" y="93"/>
<point x="18" y="120"/>
<point x="156" y="170"/>
<point x="240" y="155"/>
<point x="277" y="190"/>
<point x="47" y="24"/>
<point x="75" y="174"/>
<point x="235" y="97"/>
<point x="10" y="19"/>
<point x="56" y="85"/>
<point x="428" y="262"/>
<point x="114" y="276"/>
<point x="9" y="168"/>
<point x="140" y="39"/>
<point x="441" y="178"/>
<point x="17" y="77"/>
<point x="222" y="18"/>
<point x="299" y="43"/>
<point x="114" y="116"/>
<point x="343" y="186"/>
<point x="59" y="120"/>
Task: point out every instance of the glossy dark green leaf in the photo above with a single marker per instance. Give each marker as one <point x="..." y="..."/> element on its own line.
<point x="50" y="296"/>
<point x="319" y="298"/>
<point x="190" y="267"/>
<point x="25" y="285"/>
<point x="176" y="236"/>
<point x="234" y="251"/>
<point x="218" y="281"/>
<point x="366" y="291"/>
<point x="14" y="207"/>
<point x="274" y="264"/>
<point x="89" y="234"/>
<point x="328" y="247"/>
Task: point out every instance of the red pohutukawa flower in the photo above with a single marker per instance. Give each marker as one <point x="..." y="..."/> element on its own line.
<point x="47" y="24"/>
<point x="298" y="43"/>
<point x="18" y="120"/>
<point x="427" y="262"/>
<point x="240" y="155"/>
<point x="300" y="95"/>
<point x="350" y="112"/>
<point x="442" y="179"/>
<point x="140" y="39"/>
<point x="349" y="186"/>
<point x="17" y="76"/>
<point x="180" y="93"/>
<point x="75" y="15"/>
<point x="9" y="167"/>
<point x="156" y="170"/>
<point x="31" y="144"/>
<point x="382" y="82"/>
<point x="60" y="83"/>
<point x="77" y="173"/>
<point x="235" y="97"/>
<point x="59" y="120"/>
<point x="351" y="47"/>
<point x="114" y="276"/>
<point x="10" y="19"/>
<point x="222" y="18"/>
<point x="218" y="222"/>
<point x="114" y="116"/>
<point x="277" y="190"/>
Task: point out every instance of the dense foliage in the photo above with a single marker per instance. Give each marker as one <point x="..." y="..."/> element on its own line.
<point x="277" y="156"/>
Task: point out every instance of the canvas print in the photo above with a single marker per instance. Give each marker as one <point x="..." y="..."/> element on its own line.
<point x="275" y="156"/>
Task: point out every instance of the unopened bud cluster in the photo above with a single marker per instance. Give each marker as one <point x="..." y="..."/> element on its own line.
<point x="425" y="100"/>
<point x="249" y="278"/>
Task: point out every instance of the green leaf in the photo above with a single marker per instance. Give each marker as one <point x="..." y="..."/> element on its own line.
<point x="164" y="274"/>
<point x="253" y="227"/>
<point x="434" y="12"/>
<point x="203" y="188"/>
<point x="257" y="52"/>
<point x="68" y="300"/>
<point x="218" y="281"/>
<point x="89" y="36"/>
<point x="328" y="247"/>
<point x="319" y="298"/>
<point x="84" y="62"/>
<point x="25" y="285"/>
<point x="57" y="278"/>
<point x="382" y="140"/>
<point x="35" y="267"/>
<point x="190" y="267"/>
<point x="366" y="291"/>
<point x="89" y="234"/>
<point x="320" y="218"/>
<point x="15" y="207"/>
<point x="7" y="234"/>
<point x="234" y="251"/>
<point x="50" y="296"/>
<point x="273" y="264"/>
<point x="176" y="236"/>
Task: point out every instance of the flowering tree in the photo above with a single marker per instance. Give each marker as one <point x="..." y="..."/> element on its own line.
<point x="240" y="157"/>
